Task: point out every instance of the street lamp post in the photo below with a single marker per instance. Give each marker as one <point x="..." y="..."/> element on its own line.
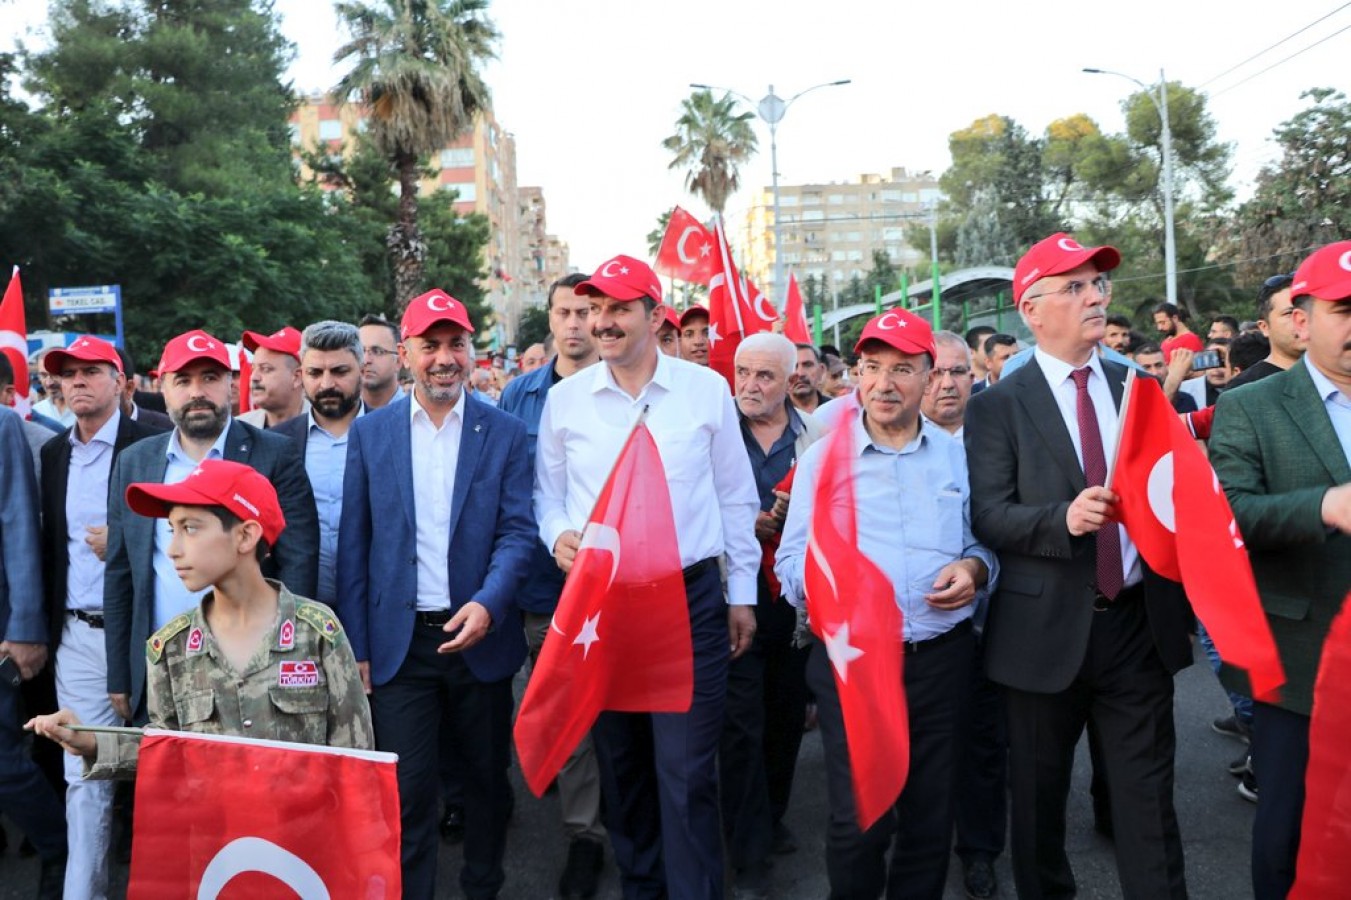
<point x="771" y="109"/>
<point x="1169" y="239"/>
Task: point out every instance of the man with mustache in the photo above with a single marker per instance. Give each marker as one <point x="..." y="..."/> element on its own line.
<point x="275" y="387"/>
<point x="658" y="772"/>
<point x="1080" y="630"/>
<point x="141" y="589"/>
<point x="330" y="369"/>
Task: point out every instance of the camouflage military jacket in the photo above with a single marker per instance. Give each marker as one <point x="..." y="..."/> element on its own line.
<point x="301" y="685"/>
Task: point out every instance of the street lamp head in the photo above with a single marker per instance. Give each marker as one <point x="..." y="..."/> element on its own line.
<point x="1090" y="71"/>
<point x="840" y="82"/>
<point x="701" y="87"/>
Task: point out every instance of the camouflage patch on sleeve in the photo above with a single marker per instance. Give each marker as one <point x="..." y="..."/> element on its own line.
<point x="320" y="618"/>
<point x="154" y="648"/>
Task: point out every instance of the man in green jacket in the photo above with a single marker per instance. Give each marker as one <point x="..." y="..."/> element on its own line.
<point x="1282" y="449"/>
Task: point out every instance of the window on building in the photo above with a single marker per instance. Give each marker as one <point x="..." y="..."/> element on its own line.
<point x="835" y="199"/>
<point x="909" y="197"/>
<point x="893" y="234"/>
<point x="811" y="199"/>
<point x="467" y="190"/>
<point x="457" y="158"/>
<point x="891" y="196"/>
<point x="930" y="195"/>
<point x="330" y="129"/>
<point x="813" y="215"/>
<point x="788" y="199"/>
<point x="854" y="255"/>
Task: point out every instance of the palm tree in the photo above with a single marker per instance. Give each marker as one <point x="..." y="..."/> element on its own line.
<point x="415" y="70"/>
<point x="711" y="142"/>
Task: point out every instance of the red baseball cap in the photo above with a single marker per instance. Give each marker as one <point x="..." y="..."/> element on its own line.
<point x="623" y="278"/>
<point x="1326" y="273"/>
<point x="901" y="329"/>
<point x="85" y="349"/>
<point x="215" y="482"/>
<point x="1059" y="253"/>
<point x="190" y="347"/>
<point x="693" y="312"/>
<point x="672" y="317"/>
<point x="285" y="340"/>
<point x="426" y="310"/>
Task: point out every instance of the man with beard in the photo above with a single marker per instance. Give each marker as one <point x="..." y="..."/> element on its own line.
<point x="1118" y="333"/>
<point x="330" y="368"/>
<point x="380" y="363"/>
<point x="141" y="588"/>
<point x="1171" y="323"/>
<point x="804" y="382"/>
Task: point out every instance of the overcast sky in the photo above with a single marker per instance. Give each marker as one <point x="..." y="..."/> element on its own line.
<point x="590" y="87"/>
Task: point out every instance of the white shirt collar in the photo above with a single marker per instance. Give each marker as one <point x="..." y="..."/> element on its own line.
<point x="107" y="434"/>
<point x="661" y="377"/>
<point x="1057" y="370"/>
<point x="415" y="408"/>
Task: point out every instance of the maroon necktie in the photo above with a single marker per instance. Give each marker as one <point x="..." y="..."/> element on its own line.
<point x="1095" y="474"/>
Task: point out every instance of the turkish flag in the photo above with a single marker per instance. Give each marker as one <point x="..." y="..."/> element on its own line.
<point x="1325" y="832"/>
<point x="736" y="308"/>
<point x="795" y="326"/>
<point x="1176" y="513"/>
<point x="852" y="608"/>
<point x="14" y="340"/>
<point x="687" y="249"/>
<point x="620" y="637"/>
<point x="230" y="817"/>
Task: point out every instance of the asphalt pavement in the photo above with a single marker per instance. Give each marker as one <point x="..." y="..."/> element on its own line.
<point x="1216" y="826"/>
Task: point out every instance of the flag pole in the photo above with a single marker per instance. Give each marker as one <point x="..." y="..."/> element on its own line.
<point x="106" y="729"/>
<point x="1127" y="393"/>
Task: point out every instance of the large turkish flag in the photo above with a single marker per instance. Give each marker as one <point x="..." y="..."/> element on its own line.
<point x="620" y="637"/>
<point x="795" y="326"/>
<point x="736" y="309"/>
<point x="688" y="249"/>
<point x="230" y="817"/>
<point x="1177" y="515"/>
<point x="852" y="608"/>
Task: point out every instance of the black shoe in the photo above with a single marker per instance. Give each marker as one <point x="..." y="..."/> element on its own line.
<point x="452" y="825"/>
<point x="1241" y="765"/>
<point x="26" y="849"/>
<point x="581" y="876"/>
<point x="978" y="878"/>
<point x="785" y="841"/>
<point x="52" y="882"/>
<point x="1102" y="824"/>
<point x="1231" y="726"/>
<point x="1247" y="787"/>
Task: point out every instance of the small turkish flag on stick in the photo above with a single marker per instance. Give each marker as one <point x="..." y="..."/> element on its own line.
<point x="620" y="637"/>
<point x="852" y="608"/>
<point x="14" y="340"/>
<point x="795" y="315"/>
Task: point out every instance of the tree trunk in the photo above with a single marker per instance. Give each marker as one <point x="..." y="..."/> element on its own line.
<point x="407" y="251"/>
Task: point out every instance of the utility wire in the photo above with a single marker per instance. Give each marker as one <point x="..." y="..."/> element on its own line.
<point x="1281" y="62"/>
<point x="1274" y="46"/>
<point x="1224" y="265"/>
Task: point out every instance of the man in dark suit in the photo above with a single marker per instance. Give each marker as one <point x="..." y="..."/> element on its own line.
<point x="1079" y="629"/>
<point x="76" y="467"/>
<point x="1282" y="450"/>
<point x="435" y="537"/>
<point x="141" y="589"/>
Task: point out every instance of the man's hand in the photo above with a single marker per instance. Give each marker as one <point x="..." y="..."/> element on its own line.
<point x="956" y="584"/>
<point x="766" y="527"/>
<point x="121" y="704"/>
<point x="1337" y="508"/>
<point x="97" y="538"/>
<point x="565" y="549"/>
<point x="30" y="658"/>
<point x="741" y="628"/>
<point x="53" y="726"/>
<point x="364" y="668"/>
<point x="472" y="621"/>
<point x="1090" y="511"/>
<point x="1179" y="369"/>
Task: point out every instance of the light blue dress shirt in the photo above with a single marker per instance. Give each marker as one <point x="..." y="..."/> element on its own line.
<point x="87" y="506"/>
<point x="1336" y="403"/>
<point x="171" y="597"/>
<point x="913" y="509"/>
<point x="326" y="463"/>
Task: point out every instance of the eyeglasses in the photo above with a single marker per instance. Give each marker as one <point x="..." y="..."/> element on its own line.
<point x="896" y="372"/>
<point x="956" y="372"/>
<point x="1102" y="284"/>
<point x="379" y="352"/>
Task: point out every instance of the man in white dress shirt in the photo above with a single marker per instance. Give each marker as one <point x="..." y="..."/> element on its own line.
<point x="658" y="771"/>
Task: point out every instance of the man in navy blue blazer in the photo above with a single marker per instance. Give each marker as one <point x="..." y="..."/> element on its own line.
<point x="436" y="534"/>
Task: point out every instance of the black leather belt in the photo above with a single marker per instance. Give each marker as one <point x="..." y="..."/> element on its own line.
<point x="434" y="619"/>
<point x="956" y="631"/>
<point x="92" y="619"/>
<point x="693" y="571"/>
<point x="1102" y="603"/>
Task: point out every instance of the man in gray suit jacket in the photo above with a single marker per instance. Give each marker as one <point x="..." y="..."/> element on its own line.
<point x="142" y="590"/>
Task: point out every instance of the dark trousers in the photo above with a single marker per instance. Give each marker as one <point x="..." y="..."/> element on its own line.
<point x="919" y="827"/>
<point x="1125" y="691"/>
<point x="1280" y="754"/>
<point x="762" y="731"/>
<point x="407" y="714"/>
<point x="658" y="771"/>
<point x="982" y="771"/>
<point x="26" y="796"/>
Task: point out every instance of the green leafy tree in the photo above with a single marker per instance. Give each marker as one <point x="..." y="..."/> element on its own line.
<point x="416" y="71"/>
<point x="533" y="327"/>
<point x="1303" y="200"/>
<point x="711" y="142"/>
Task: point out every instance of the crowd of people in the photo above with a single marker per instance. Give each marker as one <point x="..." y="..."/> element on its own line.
<point x="370" y="555"/>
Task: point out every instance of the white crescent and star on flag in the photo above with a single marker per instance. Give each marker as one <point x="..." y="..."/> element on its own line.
<point x="434" y="298"/>
<point x="199" y="344"/>
<point x="680" y="245"/>
<point x="1069" y="245"/>
<point x="890" y="322"/>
